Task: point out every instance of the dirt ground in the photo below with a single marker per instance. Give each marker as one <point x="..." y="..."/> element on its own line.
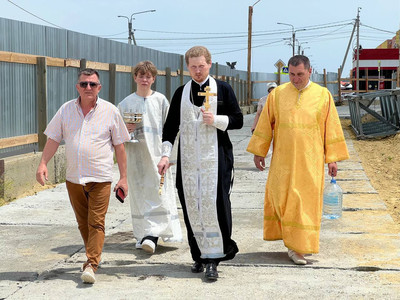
<point x="381" y="162"/>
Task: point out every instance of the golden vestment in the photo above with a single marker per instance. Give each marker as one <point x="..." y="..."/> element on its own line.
<point x="306" y="132"/>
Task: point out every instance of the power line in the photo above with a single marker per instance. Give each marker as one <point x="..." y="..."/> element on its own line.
<point x="262" y="45"/>
<point x="242" y="32"/>
<point x="392" y="32"/>
<point x="113" y="34"/>
<point x="35" y="15"/>
<point x="235" y="36"/>
<point x="181" y="32"/>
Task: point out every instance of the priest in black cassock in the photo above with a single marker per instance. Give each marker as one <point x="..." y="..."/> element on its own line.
<point x="204" y="174"/>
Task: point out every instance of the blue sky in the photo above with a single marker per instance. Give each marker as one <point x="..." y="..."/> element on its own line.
<point x="323" y="28"/>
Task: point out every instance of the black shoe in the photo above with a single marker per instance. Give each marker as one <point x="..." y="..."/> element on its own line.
<point x="197" y="267"/>
<point x="211" y="271"/>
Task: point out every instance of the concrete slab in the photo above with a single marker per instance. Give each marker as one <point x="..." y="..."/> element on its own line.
<point x="359" y="253"/>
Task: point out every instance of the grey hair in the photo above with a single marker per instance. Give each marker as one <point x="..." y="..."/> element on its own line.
<point x="88" y="72"/>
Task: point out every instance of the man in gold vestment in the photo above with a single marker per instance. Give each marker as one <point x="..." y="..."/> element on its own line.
<point x="301" y="120"/>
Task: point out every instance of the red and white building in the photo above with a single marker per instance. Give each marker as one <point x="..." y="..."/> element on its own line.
<point x="377" y="64"/>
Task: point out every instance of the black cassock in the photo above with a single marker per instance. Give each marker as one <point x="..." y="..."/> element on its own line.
<point x="228" y="106"/>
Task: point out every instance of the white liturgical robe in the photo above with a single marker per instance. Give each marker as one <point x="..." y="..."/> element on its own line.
<point x="153" y="214"/>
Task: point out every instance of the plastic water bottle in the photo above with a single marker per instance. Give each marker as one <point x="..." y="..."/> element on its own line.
<point x="333" y="197"/>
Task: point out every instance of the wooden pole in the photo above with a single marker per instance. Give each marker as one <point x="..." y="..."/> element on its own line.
<point x="154" y="86"/>
<point x="41" y="99"/>
<point x="182" y="66"/>
<point x="133" y="82"/>
<point x="237" y="86"/>
<point x="339" y="87"/>
<point x="83" y="64"/>
<point x="398" y="75"/>
<point x="168" y="83"/>
<point x="279" y="75"/>
<point x="358" y="52"/>
<point x="2" y="187"/>
<point x="348" y="47"/>
<point x="112" y="83"/>
<point x="249" y="55"/>
<point x="243" y="92"/>
<point x="398" y="69"/>
<point x="325" y="80"/>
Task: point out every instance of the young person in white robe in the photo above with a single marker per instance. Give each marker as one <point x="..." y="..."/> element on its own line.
<point x="204" y="174"/>
<point x="153" y="205"/>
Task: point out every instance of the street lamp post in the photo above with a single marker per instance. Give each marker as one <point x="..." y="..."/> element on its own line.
<point x="299" y="47"/>
<point x="131" y="35"/>
<point x="293" y="34"/>
<point x="302" y="52"/>
<point x="250" y="25"/>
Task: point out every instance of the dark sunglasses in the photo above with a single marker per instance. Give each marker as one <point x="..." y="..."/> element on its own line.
<point x="84" y="84"/>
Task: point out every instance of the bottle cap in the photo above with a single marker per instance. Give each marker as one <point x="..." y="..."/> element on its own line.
<point x="333" y="180"/>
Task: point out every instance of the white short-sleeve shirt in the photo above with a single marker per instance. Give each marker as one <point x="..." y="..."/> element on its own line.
<point x="88" y="139"/>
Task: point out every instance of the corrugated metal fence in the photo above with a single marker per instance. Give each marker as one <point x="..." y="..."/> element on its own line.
<point x="19" y="78"/>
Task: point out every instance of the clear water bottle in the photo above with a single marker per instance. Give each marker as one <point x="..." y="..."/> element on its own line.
<point x="333" y="197"/>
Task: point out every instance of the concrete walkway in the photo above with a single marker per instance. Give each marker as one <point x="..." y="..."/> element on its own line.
<point x="42" y="252"/>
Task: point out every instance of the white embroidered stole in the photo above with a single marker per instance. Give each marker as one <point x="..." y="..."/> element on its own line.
<point x="199" y="165"/>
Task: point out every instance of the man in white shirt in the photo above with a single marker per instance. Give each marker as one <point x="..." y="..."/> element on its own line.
<point x="91" y="128"/>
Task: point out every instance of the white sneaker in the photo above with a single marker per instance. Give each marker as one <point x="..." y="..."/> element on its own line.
<point x="88" y="275"/>
<point x="138" y="245"/>
<point x="149" y="246"/>
<point x="99" y="266"/>
<point x="297" y="258"/>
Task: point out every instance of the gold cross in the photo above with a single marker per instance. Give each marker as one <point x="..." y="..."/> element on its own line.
<point x="207" y="94"/>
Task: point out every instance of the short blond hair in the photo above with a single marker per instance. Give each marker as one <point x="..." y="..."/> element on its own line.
<point x="198" y="51"/>
<point x="145" y="66"/>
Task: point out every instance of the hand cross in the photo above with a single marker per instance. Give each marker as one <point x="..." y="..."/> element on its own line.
<point x="207" y="94"/>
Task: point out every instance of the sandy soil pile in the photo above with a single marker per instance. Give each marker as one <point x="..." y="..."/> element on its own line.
<point x="381" y="161"/>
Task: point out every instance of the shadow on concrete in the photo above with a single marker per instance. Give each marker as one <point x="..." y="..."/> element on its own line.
<point x="68" y="249"/>
<point x="270" y="258"/>
<point x="116" y="269"/>
<point x="19" y="276"/>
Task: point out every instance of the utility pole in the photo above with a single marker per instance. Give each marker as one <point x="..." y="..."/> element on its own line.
<point x="294" y="39"/>
<point x="299" y="47"/>
<point x="131" y="35"/>
<point x="302" y="51"/>
<point x="358" y="50"/>
<point x="250" y="29"/>
<point x="293" y="36"/>
<point x="249" y="56"/>
<point x="347" y="50"/>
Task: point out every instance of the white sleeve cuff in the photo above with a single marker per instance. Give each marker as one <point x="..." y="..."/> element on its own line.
<point x="166" y="149"/>
<point x="221" y="122"/>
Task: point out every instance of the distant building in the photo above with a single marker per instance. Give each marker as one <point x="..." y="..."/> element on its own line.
<point x="392" y="43"/>
<point x="376" y="64"/>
